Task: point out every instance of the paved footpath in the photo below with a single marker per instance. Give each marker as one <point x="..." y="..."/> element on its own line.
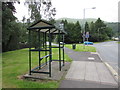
<point x="87" y="71"/>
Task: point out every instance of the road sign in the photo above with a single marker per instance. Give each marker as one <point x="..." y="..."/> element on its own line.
<point x="87" y="35"/>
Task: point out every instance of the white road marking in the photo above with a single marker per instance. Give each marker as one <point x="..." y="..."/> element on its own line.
<point x="106" y="45"/>
<point x="91" y="58"/>
<point x="93" y="52"/>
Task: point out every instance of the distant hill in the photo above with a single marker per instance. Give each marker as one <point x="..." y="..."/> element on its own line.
<point x="81" y="21"/>
<point x="112" y="25"/>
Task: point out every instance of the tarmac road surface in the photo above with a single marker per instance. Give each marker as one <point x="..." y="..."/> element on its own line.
<point x="109" y="53"/>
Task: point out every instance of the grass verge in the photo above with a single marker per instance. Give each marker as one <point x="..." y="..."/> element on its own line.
<point x="82" y="48"/>
<point x="15" y="63"/>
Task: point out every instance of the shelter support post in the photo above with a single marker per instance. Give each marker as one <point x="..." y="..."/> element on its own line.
<point x="63" y="52"/>
<point x="39" y="48"/>
<point x="59" y="50"/>
<point x="43" y="40"/>
<point x="50" y="52"/>
<point x="29" y="37"/>
<point x="45" y="47"/>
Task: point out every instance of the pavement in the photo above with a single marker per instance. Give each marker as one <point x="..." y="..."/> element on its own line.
<point x="55" y="73"/>
<point x="110" y="49"/>
<point x="87" y="71"/>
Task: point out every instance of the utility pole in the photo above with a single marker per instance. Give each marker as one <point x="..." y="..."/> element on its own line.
<point x="84" y="23"/>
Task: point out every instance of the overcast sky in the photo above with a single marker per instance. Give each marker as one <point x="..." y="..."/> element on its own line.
<point x="107" y="10"/>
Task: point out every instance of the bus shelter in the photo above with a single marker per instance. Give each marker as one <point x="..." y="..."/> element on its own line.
<point x="45" y="31"/>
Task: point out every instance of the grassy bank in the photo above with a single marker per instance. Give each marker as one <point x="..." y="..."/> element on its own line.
<point x="15" y="63"/>
<point x="82" y="48"/>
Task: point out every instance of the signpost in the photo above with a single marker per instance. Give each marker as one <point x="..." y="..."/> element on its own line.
<point x="87" y="36"/>
<point x="83" y="39"/>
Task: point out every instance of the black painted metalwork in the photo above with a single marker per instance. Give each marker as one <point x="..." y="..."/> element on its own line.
<point x="29" y="52"/>
<point x="46" y="48"/>
<point x="63" y="52"/>
<point x="49" y="31"/>
<point x="39" y="48"/>
<point x="59" y="51"/>
<point x="50" y="52"/>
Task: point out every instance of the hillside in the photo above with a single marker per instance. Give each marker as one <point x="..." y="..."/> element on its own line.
<point x="81" y="21"/>
<point x="112" y="25"/>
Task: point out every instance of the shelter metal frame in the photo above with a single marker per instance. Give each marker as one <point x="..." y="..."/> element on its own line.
<point x="46" y="29"/>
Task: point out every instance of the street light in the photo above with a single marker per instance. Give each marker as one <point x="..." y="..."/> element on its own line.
<point x="84" y="21"/>
<point x="86" y="9"/>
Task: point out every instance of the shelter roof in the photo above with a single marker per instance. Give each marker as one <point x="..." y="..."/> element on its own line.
<point x="45" y="27"/>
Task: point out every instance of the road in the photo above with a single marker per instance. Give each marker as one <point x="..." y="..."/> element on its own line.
<point x="109" y="53"/>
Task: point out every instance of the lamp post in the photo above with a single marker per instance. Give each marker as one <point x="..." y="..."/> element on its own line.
<point x="87" y="8"/>
<point x="84" y="21"/>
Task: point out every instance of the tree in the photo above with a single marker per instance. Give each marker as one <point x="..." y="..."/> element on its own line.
<point x="73" y="32"/>
<point x="24" y="32"/>
<point x="77" y="32"/>
<point x="100" y="27"/>
<point x="87" y="27"/>
<point x="99" y="31"/>
<point x="34" y="10"/>
<point x="69" y="37"/>
<point x="92" y="27"/>
<point x="10" y="29"/>
<point x="41" y="9"/>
